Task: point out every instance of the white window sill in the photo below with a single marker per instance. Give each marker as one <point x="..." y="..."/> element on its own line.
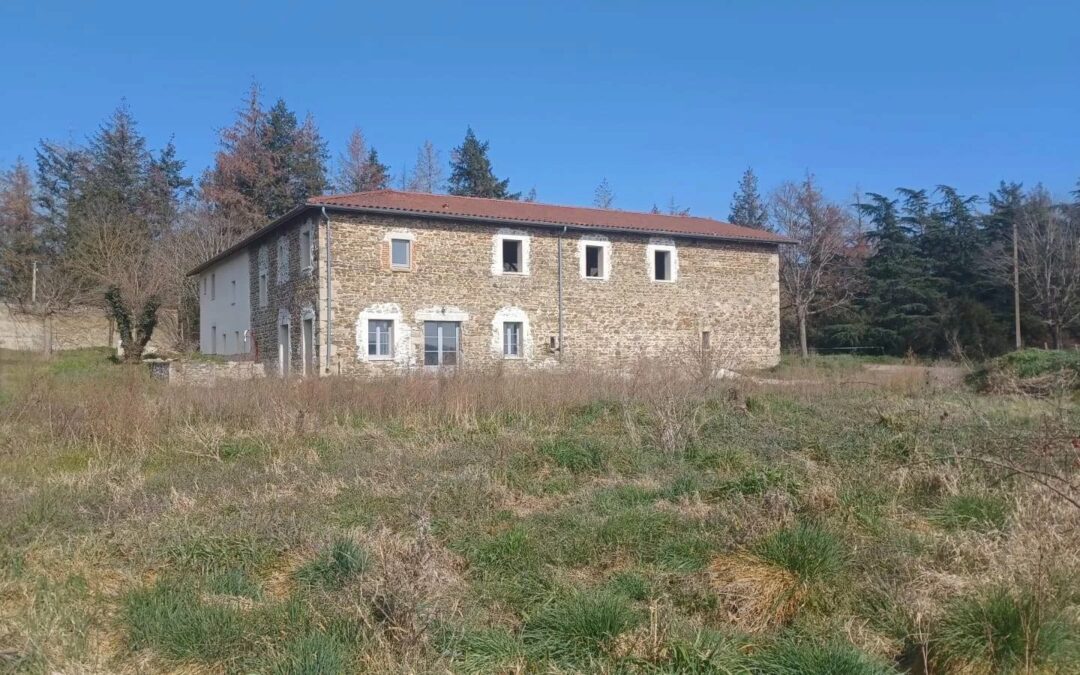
<point x="664" y="281"/>
<point x="513" y="358"/>
<point x="379" y="358"/>
<point x="595" y="278"/>
<point x="401" y="268"/>
<point x="513" y="274"/>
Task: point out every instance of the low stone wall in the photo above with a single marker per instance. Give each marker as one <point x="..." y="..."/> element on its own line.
<point x="204" y="373"/>
<point x="75" y="328"/>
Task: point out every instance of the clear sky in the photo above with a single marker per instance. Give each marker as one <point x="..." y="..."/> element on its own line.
<point x="663" y="98"/>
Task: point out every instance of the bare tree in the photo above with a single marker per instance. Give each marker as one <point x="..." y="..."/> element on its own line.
<point x="810" y="270"/>
<point x="427" y="175"/>
<point x="120" y="257"/>
<point x="603" y="196"/>
<point x="352" y="164"/>
<point x="1048" y="249"/>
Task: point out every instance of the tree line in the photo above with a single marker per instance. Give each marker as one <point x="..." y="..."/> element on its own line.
<point x="931" y="272"/>
<point x="114" y="223"/>
<point x="111" y="222"/>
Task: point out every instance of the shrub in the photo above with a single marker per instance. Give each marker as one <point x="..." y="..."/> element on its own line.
<point x="1001" y="631"/>
<point x="334" y="566"/>
<point x="1034" y="371"/>
<point x="983" y="513"/>
<point x="578" y="627"/>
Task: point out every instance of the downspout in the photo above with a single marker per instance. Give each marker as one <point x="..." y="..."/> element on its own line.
<point x="559" y="347"/>
<point x="329" y="292"/>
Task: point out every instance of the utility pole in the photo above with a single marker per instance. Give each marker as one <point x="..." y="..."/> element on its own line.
<point x="33" y="284"/>
<point x="1016" y="285"/>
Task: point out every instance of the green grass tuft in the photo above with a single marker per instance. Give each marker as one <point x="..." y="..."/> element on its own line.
<point x="982" y="513"/>
<point x="1003" y="631"/>
<point x="335" y="566"/>
<point x="789" y="656"/>
<point x="170" y="618"/>
<point x="316" y="653"/>
<point x="814" y="555"/>
<point x="576" y="454"/>
<point x="579" y="627"/>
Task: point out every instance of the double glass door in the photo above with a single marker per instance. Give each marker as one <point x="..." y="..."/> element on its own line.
<point x="442" y="343"/>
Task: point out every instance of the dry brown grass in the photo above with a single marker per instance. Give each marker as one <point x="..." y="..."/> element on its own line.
<point x="757" y="595"/>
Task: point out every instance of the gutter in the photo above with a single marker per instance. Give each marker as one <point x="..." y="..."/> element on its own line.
<point x="329" y="293"/>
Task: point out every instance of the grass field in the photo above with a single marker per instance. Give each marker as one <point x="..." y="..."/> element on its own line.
<point x="864" y="522"/>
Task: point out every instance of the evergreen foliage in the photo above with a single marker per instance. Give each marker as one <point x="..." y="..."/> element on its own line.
<point x="471" y="174"/>
<point x="747" y="207"/>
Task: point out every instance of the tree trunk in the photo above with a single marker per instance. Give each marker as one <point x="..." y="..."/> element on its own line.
<point x="802" y="333"/>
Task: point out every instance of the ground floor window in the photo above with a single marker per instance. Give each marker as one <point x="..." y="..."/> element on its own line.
<point x="441" y="343"/>
<point x="380" y="338"/>
<point x="512" y="339"/>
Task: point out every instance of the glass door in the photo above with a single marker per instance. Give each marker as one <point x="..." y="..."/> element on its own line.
<point x="442" y="341"/>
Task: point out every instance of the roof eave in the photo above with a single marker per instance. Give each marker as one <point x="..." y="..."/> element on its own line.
<point x="263" y="231"/>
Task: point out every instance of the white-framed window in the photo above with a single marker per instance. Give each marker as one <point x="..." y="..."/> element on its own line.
<point x="400" y="253"/>
<point x="442" y="343"/>
<point x="306" y="253"/>
<point x="663" y="261"/>
<point x="232" y="291"/>
<point x="204" y="285"/>
<point x="380" y="339"/>
<point x="213" y="340"/>
<point x="594" y="256"/>
<point x="283" y="259"/>
<point x="213" y="285"/>
<point x="511" y="253"/>
<point x="512" y="336"/>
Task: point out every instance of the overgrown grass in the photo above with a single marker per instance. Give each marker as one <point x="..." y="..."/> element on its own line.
<point x="552" y="522"/>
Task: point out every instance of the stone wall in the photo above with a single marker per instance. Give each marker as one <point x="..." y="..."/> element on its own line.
<point x="204" y="373"/>
<point x="728" y="290"/>
<point x="75" y="328"/>
<point x="289" y="301"/>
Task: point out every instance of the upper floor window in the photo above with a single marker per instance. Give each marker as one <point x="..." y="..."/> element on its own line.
<point x="263" y="288"/>
<point x="306" y="257"/>
<point x="663" y="262"/>
<point x="511" y="253"/>
<point x="283" y="259"/>
<point x="232" y="291"/>
<point x="594" y="255"/>
<point x="400" y="253"/>
<point x="213" y="286"/>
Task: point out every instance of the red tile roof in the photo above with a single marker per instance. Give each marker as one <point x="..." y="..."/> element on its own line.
<point x="511" y="212"/>
<point x="501" y="210"/>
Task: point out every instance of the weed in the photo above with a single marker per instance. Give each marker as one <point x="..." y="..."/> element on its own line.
<point x="577" y="455"/>
<point x="315" y="653"/>
<point x="812" y="554"/>
<point x="790" y="656"/>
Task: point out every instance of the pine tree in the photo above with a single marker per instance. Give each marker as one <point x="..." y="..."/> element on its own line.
<point x="604" y="196"/>
<point x="268" y="163"/>
<point x="674" y="209"/>
<point x="531" y="197"/>
<point x="427" y="175"/>
<point x="60" y="169"/>
<point x="900" y="297"/>
<point x="747" y="209"/>
<point x="471" y="174"/>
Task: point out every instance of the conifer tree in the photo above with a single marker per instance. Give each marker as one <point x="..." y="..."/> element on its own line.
<point x="471" y="174"/>
<point x="18" y="237"/>
<point x="604" y="196"/>
<point x="374" y="175"/>
<point x="747" y="208"/>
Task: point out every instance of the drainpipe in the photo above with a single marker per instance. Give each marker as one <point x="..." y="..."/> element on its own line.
<point x="329" y="292"/>
<point x="559" y="256"/>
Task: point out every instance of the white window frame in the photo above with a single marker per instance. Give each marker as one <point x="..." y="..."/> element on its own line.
<point x="399" y="235"/>
<point x="673" y="259"/>
<point x="307" y="253"/>
<point x="606" y="259"/>
<point x="283" y="259"/>
<point x="503" y="316"/>
<point x="389" y="356"/>
<point x="497" y="252"/>
<point x="520" y="343"/>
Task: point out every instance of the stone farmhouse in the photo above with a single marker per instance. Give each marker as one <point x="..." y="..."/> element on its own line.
<point x="394" y="281"/>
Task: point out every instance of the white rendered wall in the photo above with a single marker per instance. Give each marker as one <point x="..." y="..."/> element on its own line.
<point x="228" y="314"/>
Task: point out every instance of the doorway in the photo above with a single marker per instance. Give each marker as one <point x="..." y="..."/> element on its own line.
<point x="284" y="349"/>
<point x="308" y="345"/>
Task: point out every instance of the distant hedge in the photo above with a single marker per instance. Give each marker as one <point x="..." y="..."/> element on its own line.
<point x="1033" y="371"/>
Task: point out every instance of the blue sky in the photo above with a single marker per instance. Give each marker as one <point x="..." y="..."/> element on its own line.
<point x="665" y="99"/>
